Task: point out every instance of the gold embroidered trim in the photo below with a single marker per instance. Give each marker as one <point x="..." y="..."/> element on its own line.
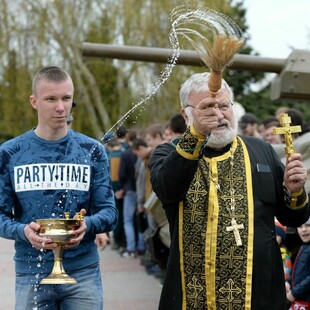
<point x="296" y="200"/>
<point x="250" y="227"/>
<point x="215" y="272"/>
<point x="299" y="199"/>
<point x="181" y="206"/>
<point x="190" y="144"/>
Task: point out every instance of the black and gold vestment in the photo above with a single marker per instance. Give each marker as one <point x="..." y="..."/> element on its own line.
<point x="198" y="186"/>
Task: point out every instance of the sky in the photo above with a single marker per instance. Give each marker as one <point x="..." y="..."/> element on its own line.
<point x="277" y="26"/>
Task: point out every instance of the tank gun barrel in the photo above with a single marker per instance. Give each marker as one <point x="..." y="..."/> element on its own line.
<point x="188" y="58"/>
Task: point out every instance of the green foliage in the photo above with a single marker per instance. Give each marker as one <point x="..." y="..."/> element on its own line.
<point x="52" y="33"/>
<point x="16" y="115"/>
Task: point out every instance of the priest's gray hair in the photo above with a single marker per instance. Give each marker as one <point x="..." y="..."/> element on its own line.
<point x="199" y="83"/>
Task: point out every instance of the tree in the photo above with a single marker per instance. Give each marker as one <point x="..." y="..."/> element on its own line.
<point x="52" y="32"/>
<point x="57" y="31"/>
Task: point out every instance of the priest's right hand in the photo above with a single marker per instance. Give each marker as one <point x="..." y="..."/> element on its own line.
<point x="206" y="115"/>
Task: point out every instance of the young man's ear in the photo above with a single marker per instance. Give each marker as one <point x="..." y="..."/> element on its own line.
<point x="33" y="101"/>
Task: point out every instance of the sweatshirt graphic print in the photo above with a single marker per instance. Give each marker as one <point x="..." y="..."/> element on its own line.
<point x="44" y="179"/>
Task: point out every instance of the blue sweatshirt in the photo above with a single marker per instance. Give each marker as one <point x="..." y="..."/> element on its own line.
<point x="43" y="179"/>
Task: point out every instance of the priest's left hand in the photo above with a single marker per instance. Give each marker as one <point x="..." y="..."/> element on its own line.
<point x="295" y="174"/>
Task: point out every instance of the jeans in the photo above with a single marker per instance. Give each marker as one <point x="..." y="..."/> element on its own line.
<point x="87" y="294"/>
<point x="130" y="208"/>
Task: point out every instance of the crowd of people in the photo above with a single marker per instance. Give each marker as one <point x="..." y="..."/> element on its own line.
<point x="210" y="203"/>
<point x="142" y="230"/>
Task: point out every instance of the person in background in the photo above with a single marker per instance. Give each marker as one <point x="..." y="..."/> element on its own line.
<point x="143" y="183"/>
<point x="127" y="180"/>
<point x="269" y="124"/>
<point x="115" y="152"/>
<point x="221" y="193"/>
<point x="166" y="132"/>
<point x="153" y="135"/>
<point x="174" y="128"/>
<point x="286" y="257"/>
<point x="248" y="125"/>
<point x="155" y="257"/>
<point x="280" y="111"/>
<point x="44" y="173"/>
<point x="298" y="286"/>
<point x="177" y="125"/>
<point x="102" y="239"/>
<point x="122" y="135"/>
<point x="143" y="148"/>
<point x="296" y="119"/>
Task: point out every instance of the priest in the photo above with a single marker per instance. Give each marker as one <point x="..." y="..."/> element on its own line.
<point x="221" y="192"/>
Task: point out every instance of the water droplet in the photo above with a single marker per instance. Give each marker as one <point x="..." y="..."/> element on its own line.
<point x="208" y="20"/>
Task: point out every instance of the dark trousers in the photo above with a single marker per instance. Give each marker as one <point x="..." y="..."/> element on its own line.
<point x="118" y="232"/>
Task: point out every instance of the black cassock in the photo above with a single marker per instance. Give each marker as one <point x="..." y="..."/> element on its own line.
<point x="171" y="176"/>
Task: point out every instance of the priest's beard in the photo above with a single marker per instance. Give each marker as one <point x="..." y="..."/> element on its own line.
<point x="219" y="139"/>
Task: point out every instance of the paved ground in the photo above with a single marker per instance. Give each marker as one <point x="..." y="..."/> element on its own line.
<point x="126" y="284"/>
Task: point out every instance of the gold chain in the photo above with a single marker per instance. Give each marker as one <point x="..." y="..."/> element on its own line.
<point x="234" y="225"/>
<point x="231" y="210"/>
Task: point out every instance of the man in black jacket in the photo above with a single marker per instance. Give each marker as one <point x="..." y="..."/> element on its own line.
<point x="221" y="193"/>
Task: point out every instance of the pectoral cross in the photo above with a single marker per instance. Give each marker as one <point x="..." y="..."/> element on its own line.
<point x="235" y="229"/>
<point x="287" y="131"/>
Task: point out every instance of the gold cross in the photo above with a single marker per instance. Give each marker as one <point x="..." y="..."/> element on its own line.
<point x="196" y="291"/>
<point x="192" y="255"/>
<point x="235" y="229"/>
<point x="230" y="178"/>
<point x="194" y="212"/>
<point x="231" y="256"/>
<point x="230" y="290"/>
<point x="287" y="131"/>
<point x="197" y="191"/>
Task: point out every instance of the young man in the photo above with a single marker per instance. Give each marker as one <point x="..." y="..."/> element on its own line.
<point x="248" y="125"/>
<point x="44" y="173"/>
<point x="221" y="193"/>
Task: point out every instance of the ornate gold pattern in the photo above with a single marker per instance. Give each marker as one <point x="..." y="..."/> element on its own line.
<point x="191" y="143"/>
<point x="287" y="131"/>
<point x="205" y="240"/>
<point x="188" y="142"/>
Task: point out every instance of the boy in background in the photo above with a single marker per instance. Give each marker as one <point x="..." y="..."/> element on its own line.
<point x="286" y="256"/>
<point x="298" y="286"/>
